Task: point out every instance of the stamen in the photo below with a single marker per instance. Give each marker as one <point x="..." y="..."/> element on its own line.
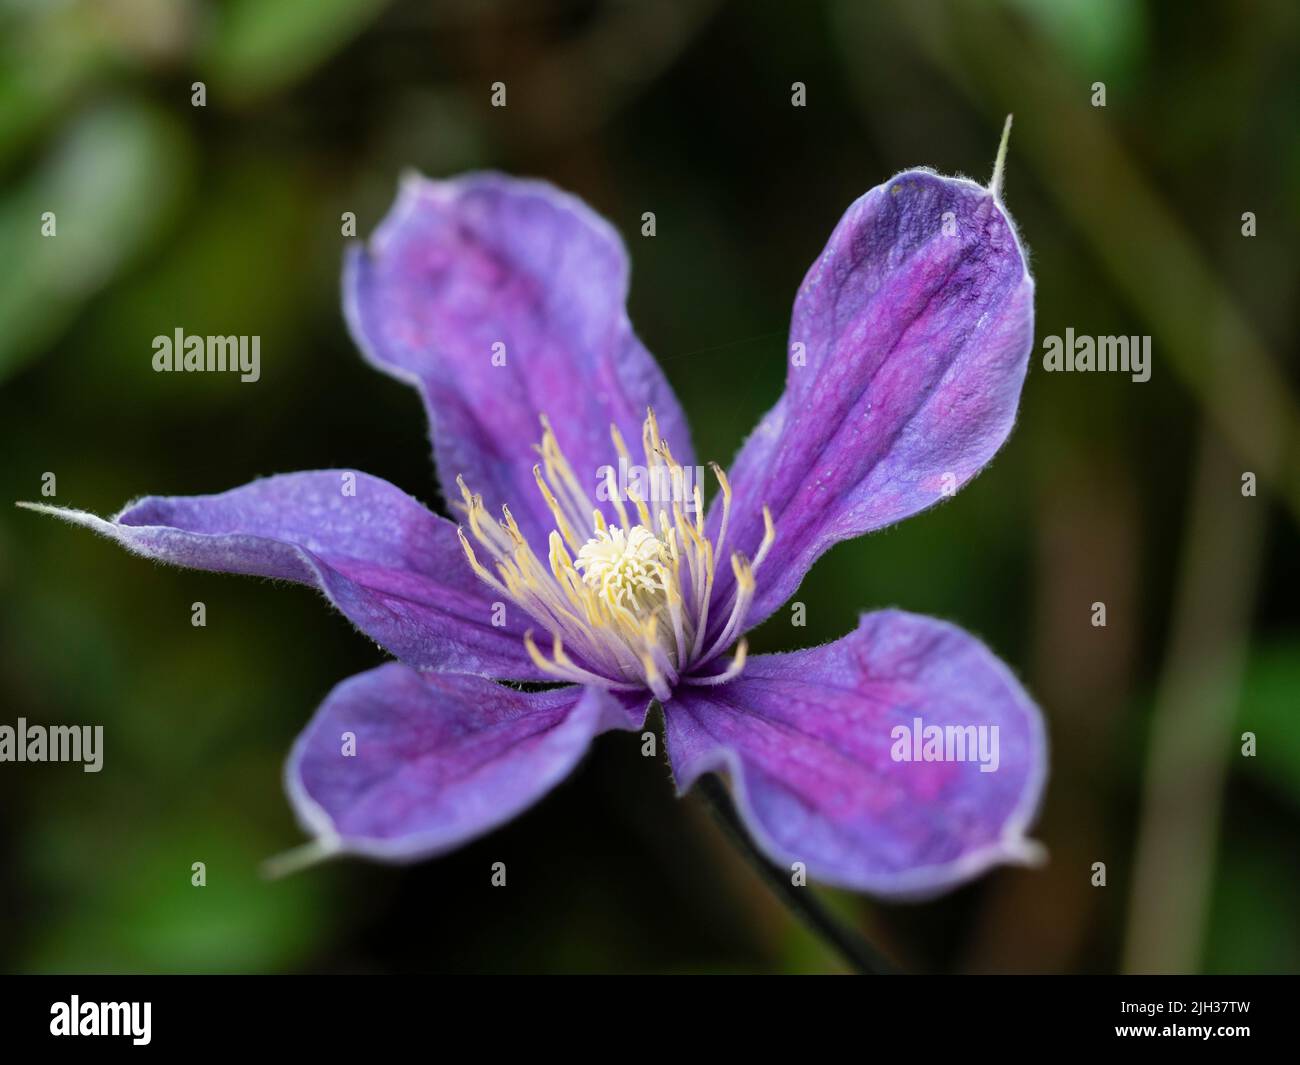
<point x="745" y="586"/>
<point x="654" y="679"/>
<point x="565" y="669"/>
<point x="611" y="490"/>
<point x="706" y="591"/>
<point x="560" y="474"/>
<point x="561" y="522"/>
<point x="482" y="574"/>
<point x="732" y="671"/>
<point x="642" y="511"/>
<point x="725" y="485"/>
<point x="769" y="537"/>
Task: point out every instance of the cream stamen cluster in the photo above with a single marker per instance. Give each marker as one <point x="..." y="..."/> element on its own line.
<point x="630" y="600"/>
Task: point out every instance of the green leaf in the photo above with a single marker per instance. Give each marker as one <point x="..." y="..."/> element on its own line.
<point x="262" y="45"/>
<point x="1270" y="708"/>
<point x="108" y="187"/>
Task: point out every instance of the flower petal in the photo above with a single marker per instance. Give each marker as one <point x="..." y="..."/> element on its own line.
<point x="403" y="765"/>
<point x="396" y="570"/>
<point x="809" y="742"/>
<point x="916" y="324"/>
<point x="463" y="265"/>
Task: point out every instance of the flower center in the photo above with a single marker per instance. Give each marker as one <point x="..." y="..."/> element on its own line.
<point x="631" y="600"/>
<point x="627" y="567"/>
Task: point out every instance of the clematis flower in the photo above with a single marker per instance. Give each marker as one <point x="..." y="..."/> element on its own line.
<point x="502" y="302"/>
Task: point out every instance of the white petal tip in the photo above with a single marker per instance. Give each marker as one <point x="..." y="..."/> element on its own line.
<point x="1024" y="851"/>
<point x="999" y="165"/>
<point x="299" y="858"/>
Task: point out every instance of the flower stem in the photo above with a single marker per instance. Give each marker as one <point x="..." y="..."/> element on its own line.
<point x="801" y="901"/>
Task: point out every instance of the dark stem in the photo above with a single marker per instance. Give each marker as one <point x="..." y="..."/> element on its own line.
<point x="855" y="950"/>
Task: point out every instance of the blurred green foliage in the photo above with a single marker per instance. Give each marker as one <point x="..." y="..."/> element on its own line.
<point x="226" y="219"/>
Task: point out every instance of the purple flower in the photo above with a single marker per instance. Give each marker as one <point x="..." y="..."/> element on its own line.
<point x="900" y="760"/>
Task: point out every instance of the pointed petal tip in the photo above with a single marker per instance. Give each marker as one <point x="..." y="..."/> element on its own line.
<point x="1023" y="851"/>
<point x="999" y="164"/>
<point x="300" y="858"/>
<point x="69" y="514"/>
<point x="409" y="175"/>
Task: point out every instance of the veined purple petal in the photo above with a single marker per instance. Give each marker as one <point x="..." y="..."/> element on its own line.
<point x="396" y="570"/>
<point x="402" y="765"/>
<point x="909" y="345"/>
<point x="483" y="266"/>
<point x="811" y="741"/>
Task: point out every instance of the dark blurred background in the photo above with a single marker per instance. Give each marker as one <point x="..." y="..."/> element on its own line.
<point x="226" y="219"/>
